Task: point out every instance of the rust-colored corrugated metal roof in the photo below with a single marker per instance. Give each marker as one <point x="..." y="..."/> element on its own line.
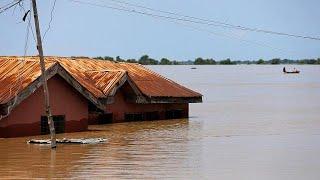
<point x="97" y="76"/>
<point x="149" y="83"/>
<point x="16" y="74"/>
<point x="106" y="80"/>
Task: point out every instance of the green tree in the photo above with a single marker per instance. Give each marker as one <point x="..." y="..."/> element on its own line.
<point x="227" y="62"/>
<point x="145" y="60"/>
<point x="165" y="61"/>
<point x="132" y="61"/>
<point x="260" y="61"/>
<point x="210" y="61"/>
<point x="275" y="61"/>
<point x="199" y="61"/>
<point x="310" y="61"/>
<point x="118" y="59"/>
<point x="176" y="62"/>
<point x="99" y="57"/>
<point x="153" y="61"/>
<point x="108" y="58"/>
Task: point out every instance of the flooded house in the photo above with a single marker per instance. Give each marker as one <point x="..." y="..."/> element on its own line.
<point x="85" y="91"/>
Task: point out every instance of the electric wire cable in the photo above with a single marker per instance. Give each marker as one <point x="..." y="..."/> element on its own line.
<point x="192" y="19"/>
<point x="20" y="66"/>
<point x="234" y="37"/>
<point x="13" y="4"/>
<point x="51" y="18"/>
<point x="179" y="22"/>
<point x="227" y="25"/>
<point x="7" y="5"/>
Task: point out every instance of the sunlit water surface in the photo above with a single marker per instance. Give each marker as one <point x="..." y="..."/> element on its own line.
<point x="254" y="123"/>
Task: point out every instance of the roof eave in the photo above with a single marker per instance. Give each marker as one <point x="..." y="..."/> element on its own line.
<point x="26" y="92"/>
<point x="196" y="99"/>
<point x="81" y="89"/>
<point x="6" y="108"/>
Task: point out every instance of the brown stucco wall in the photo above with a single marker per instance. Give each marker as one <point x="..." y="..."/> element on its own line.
<point x="24" y="120"/>
<point x="121" y="106"/>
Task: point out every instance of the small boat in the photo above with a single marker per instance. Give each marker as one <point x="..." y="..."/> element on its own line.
<point x="193" y="68"/>
<point x="292" y="72"/>
<point x="295" y="71"/>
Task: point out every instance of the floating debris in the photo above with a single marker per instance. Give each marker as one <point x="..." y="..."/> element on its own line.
<point x="69" y="141"/>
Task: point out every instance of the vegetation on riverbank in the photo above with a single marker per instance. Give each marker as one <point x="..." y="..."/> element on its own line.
<point x="146" y="60"/>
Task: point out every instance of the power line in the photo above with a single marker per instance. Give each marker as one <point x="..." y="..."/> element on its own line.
<point x="33" y="35"/>
<point x="8" y="6"/>
<point x="226" y="25"/>
<point x="179" y="22"/>
<point x="233" y="37"/>
<point x="20" y="66"/>
<point x="51" y="18"/>
<point x="173" y="13"/>
<point x="30" y="26"/>
<point x="122" y="8"/>
<point x="192" y="19"/>
<point x="27" y="36"/>
<point x="197" y="28"/>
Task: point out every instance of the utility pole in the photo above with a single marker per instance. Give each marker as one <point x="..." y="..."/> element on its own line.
<point x="43" y="76"/>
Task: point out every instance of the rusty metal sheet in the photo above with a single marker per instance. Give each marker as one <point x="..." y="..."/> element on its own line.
<point x="94" y="76"/>
<point x="97" y="76"/>
<point x="149" y="83"/>
<point x="16" y="74"/>
<point x="105" y="81"/>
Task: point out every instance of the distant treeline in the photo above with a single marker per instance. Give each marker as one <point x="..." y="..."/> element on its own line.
<point x="146" y="60"/>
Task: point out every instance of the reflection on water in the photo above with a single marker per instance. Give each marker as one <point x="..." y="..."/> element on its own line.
<point x="255" y="123"/>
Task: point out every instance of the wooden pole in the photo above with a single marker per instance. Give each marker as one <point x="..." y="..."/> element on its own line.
<point x="43" y="76"/>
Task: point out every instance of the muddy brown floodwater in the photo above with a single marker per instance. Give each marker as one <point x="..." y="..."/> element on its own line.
<point x="254" y="123"/>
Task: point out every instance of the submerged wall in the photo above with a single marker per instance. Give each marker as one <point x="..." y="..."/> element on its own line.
<point x="24" y="120"/>
<point x="135" y="112"/>
<point x="120" y="107"/>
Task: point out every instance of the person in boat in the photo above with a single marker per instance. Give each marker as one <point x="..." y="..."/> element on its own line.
<point x="284" y="69"/>
<point x="295" y="70"/>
